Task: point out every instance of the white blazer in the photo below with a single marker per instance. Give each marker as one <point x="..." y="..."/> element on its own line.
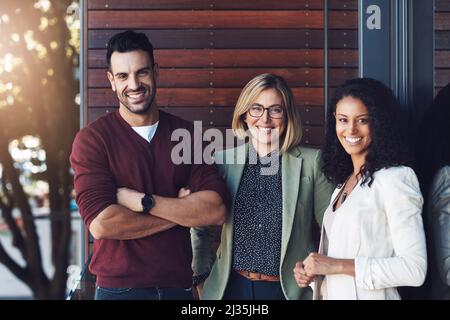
<point x="381" y="228"/>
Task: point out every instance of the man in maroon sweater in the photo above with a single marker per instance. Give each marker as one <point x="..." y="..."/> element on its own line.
<point x="145" y="253"/>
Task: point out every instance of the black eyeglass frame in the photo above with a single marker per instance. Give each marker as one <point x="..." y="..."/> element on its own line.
<point x="268" y="110"/>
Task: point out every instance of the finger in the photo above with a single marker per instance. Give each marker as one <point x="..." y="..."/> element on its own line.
<point x="300" y="267"/>
<point x="299" y="271"/>
<point x="183" y="192"/>
<point x="305" y="282"/>
<point x="303" y="277"/>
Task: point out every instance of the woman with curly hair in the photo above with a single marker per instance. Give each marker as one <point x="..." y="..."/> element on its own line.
<point x="433" y="161"/>
<point x="372" y="237"/>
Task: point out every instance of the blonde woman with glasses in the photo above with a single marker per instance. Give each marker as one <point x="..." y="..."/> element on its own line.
<point x="277" y="190"/>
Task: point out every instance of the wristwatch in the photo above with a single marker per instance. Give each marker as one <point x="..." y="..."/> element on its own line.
<point x="148" y="202"/>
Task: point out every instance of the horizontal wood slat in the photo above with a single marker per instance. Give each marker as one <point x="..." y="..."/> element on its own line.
<point x="343" y="20"/>
<point x="201" y="58"/>
<point x="442" y="59"/>
<point x="220" y="4"/>
<point x="188" y="97"/>
<point x="232" y="78"/>
<point x="204" y="4"/>
<point x="206" y="19"/>
<point x="442" y="21"/>
<point x="275" y="19"/>
<point x="217" y="39"/>
<point x="236" y="39"/>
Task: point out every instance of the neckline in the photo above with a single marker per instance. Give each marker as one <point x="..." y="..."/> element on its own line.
<point x="130" y="129"/>
<point x="347" y="198"/>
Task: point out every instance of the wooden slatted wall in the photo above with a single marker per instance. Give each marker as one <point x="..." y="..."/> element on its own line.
<point x="208" y="49"/>
<point x="442" y="44"/>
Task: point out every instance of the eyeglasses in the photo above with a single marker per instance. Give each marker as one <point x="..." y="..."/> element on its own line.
<point x="275" y="112"/>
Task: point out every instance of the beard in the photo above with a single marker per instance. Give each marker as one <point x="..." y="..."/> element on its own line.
<point x="142" y="107"/>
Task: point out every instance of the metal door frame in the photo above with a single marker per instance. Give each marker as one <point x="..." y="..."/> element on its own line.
<point x="401" y="52"/>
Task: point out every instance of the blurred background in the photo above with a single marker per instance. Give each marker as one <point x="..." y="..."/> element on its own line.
<point x="39" y="116"/>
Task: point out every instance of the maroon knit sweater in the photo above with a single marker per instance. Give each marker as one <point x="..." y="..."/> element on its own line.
<point x="109" y="154"/>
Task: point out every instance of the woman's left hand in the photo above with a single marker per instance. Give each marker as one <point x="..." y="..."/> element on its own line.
<point x="130" y="199"/>
<point x="319" y="264"/>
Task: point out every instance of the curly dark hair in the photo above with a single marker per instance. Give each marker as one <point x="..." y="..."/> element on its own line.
<point x="388" y="147"/>
<point x="433" y="140"/>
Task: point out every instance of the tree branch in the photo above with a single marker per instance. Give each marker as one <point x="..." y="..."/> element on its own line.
<point x="33" y="256"/>
<point x="17" y="270"/>
<point x="6" y="207"/>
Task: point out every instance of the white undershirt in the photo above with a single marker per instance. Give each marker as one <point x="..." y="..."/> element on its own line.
<point x="147" y="132"/>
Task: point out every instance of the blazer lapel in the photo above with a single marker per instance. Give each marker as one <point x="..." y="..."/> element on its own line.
<point x="239" y="157"/>
<point x="291" y="167"/>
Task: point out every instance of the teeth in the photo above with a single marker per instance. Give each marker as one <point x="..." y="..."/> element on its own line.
<point x="135" y="95"/>
<point x="265" y="129"/>
<point x="353" y="140"/>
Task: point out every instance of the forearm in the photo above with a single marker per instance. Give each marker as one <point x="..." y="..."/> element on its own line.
<point x="119" y="223"/>
<point x="319" y="264"/>
<point x="201" y="208"/>
<point x="343" y="266"/>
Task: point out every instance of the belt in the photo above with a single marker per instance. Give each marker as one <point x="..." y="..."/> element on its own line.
<point x="254" y="276"/>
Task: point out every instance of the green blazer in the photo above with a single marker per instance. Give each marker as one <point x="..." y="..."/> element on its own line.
<point x="306" y="193"/>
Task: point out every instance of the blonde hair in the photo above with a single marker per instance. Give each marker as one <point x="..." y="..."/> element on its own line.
<point x="293" y="133"/>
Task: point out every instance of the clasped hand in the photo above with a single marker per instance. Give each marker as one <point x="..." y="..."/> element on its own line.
<point x="315" y="264"/>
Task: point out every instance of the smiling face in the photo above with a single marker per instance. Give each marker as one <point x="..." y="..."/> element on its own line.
<point x="352" y="127"/>
<point x="266" y="129"/>
<point x="132" y="78"/>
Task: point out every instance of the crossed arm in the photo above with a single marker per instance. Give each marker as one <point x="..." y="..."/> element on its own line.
<point x="120" y="223"/>
<point x="123" y="221"/>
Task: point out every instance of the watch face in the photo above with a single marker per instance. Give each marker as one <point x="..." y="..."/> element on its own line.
<point x="147" y="202"/>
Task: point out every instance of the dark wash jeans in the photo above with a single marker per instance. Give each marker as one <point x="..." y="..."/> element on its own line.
<point x="142" y="293"/>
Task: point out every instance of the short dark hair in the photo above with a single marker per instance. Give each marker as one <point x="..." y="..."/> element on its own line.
<point x="128" y="41"/>
<point x="388" y="147"/>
